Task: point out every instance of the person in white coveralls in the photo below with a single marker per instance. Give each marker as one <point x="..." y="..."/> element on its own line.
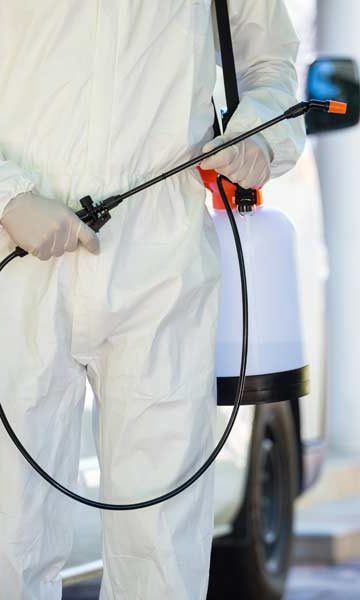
<point x="97" y="97"/>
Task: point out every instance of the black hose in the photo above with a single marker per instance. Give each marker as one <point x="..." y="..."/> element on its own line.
<point x="220" y="445"/>
<point x="89" y="215"/>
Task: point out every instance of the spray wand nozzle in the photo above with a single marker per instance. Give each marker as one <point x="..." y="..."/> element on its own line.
<point x="329" y="106"/>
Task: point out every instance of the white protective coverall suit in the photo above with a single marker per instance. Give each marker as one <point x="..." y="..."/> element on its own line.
<point x="97" y="97"/>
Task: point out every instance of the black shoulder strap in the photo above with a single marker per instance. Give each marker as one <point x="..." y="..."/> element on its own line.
<point x="227" y="58"/>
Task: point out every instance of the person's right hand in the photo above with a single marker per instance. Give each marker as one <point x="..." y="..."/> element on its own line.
<point x="46" y="227"/>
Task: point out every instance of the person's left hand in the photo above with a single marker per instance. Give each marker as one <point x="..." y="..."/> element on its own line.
<point x="247" y="163"/>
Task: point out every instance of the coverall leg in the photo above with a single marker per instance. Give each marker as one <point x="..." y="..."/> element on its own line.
<point x="153" y="376"/>
<point x="42" y="390"/>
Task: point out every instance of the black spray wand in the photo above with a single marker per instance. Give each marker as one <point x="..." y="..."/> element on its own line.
<point x="96" y="215"/>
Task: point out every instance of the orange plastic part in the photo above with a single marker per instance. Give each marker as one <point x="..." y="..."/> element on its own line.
<point x="259" y="198"/>
<point x="209" y="179"/>
<point x="338" y="108"/>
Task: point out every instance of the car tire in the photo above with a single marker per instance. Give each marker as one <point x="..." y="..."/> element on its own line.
<point x="253" y="561"/>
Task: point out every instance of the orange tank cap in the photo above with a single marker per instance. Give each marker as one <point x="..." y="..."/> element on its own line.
<point x="338" y="108"/>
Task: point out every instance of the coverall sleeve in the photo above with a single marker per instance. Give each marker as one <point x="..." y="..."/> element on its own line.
<point x="13" y="181"/>
<point x="265" y="49"/>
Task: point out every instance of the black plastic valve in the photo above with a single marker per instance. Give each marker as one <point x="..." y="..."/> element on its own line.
<point x="245" y="199"/>
<point x="94" y="215"/>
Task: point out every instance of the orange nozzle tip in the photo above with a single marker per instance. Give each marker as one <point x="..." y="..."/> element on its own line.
<point x="259" y="197"/>
<point x="338" y="108"/>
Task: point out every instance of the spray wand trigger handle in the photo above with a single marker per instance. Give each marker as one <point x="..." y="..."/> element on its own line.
<point x="94" y="215"/>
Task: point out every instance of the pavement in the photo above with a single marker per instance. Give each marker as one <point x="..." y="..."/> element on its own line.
<point x="327" y="523"/>
<point x="319" y="582"/>
<point x="323" y="582"/>
<point x="329" y="531"/>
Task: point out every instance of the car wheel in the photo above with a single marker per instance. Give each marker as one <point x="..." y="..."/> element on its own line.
<point x="252" y="563"/>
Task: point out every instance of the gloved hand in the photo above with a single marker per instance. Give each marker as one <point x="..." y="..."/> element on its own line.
<point x="46" y="227"/>
<point x="247" y="163"/>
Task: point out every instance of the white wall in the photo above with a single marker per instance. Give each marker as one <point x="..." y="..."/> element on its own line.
<point x="339" y="166"/>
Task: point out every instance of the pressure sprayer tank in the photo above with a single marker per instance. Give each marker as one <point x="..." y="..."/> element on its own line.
<point x="276" y="365"/>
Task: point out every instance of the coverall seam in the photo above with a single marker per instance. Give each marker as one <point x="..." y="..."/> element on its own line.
<point x="91" y="99"/>
<point x="193" y="72"/>
<point x="111" y="117"/>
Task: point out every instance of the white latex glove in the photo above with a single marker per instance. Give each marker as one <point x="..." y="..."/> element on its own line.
<point x="247" y="163"/>
<point x="46" y="227"/>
